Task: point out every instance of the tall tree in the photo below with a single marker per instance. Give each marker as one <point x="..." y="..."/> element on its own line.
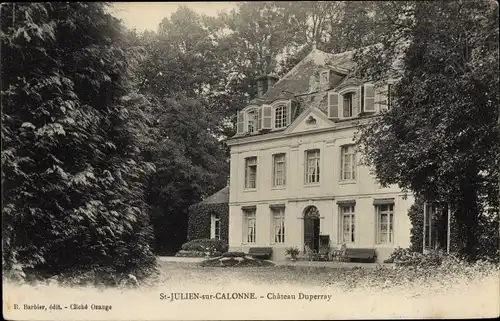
<point x="72" y="177"/>
<point x="441" y="137"/>
<point x="183" y="78"/>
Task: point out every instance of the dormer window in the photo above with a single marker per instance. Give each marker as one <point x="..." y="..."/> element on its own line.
<point x="324" y="77"/>
<point x="347" y="105"/>
<point x="252" y="121"/>
<point x="280" y="116"/>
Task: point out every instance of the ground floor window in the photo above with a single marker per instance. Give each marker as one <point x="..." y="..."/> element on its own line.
<point x="215" y="227"/>
<point x="347" y="224"/>
<point x="249" y="225"/>
<point x="278" y="215"/>
<point x="385" y="223"/>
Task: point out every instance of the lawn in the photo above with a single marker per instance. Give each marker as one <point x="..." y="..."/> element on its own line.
<point x="454" y="291"/>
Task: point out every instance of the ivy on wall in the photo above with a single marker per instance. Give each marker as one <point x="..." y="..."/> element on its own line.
<point x="200" y="219"/>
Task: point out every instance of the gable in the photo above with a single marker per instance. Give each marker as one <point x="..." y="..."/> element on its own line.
<point x="311" y="119"/>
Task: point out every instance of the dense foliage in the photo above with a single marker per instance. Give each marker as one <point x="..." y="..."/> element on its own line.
<point x="72" y="176"/>
<point x="206" y="245"/>
<point x="199" y="220"/>
<point x="441" y="138"/>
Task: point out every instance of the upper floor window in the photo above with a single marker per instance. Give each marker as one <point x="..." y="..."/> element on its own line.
<point x="252" y="121"/>
<point x="312" y="166"/>
<point x="385" y="223"/>
<point x="348" y="105"/>
<point x="348" y="163"/>
<point x="279" y="169"/>
<point x="251" y="172"/>
<point x="280" y="116"/>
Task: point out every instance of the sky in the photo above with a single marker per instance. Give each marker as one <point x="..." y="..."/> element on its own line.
<point x="147" y="15"/>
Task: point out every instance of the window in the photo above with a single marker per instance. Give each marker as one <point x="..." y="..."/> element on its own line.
<point x="324" y="77"/>
<point x="251" y="172"/>
<point x="279" y="224"/>
<point x="249" y="226"/>
<point x="385" y="217"/>
<point x="347" y="105"/>
<point x="215" y="230"/>
<point x="430" y="231"/>
<point x="279" y="169"/>
<point x="253" y="118"/>
<point x="312" y="166"/>
<point x="280" y="116"/>
<point x="347" y="223"/>
<point x="348" y="163"/>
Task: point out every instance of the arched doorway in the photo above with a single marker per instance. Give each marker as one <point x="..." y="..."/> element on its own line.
<point x="311" y="227"/>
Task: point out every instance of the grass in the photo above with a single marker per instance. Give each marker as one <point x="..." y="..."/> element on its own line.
<point x="451" y="290"/>
<point x="347" y="279"/>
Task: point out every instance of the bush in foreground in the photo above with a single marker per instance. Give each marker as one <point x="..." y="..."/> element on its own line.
<point x="210" y="246"/>
<point x="73" y="175"/>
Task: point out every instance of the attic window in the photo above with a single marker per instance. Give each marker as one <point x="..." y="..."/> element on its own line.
<point x="252" y="119"/>
<point x="280" y="116"/>
<point x="324" y="77"/>
<point x="348" y="105"/>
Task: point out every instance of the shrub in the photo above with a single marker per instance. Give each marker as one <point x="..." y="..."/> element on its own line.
<point x="234" y="254"/>
<point x="206" y="245"/>
<point x="408" y="257"/>
<point x="292" y="251"/>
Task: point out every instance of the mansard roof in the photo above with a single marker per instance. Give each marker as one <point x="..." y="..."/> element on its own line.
<point x="296" y="81"/>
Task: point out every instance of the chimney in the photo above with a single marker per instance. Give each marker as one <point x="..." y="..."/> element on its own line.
<point x="265" y="82"/>
<point x="261" y="86"/>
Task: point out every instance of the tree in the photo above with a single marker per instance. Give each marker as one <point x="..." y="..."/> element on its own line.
<point x="72" y="175"/>
<point x="440" y="139"/>
<point x="183" y="79"/>
<point x="191" y="164"/>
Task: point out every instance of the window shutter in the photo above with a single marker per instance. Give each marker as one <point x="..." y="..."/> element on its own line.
<point x="259" y="119"/>
<point x="266" y="117"/>
<point x="333" y="105"/>
<point x="382" y="100"/>
<point x="369" y="98"/>
<point x="239" y="123"/>
<point x="289" y="112"/>
<point x="359" y="99"/>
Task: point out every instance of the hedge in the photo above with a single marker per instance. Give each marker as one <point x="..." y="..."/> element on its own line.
<point x="200" y="218"/>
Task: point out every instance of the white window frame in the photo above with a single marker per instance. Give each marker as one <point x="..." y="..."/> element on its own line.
<point x="278" y="225"/>
<point x="250" y="162"/>
<point x="255" y="118"/>
<point x="345" y="154"/>
<point x="349" y="90"/>
<point x="279" y="181"/>
<point x="249" y="226"/>
<point x="284" y="116"/>
<point x="347" y="213"/>
<point x="385" y="209"/>
<point x="310" y="162"/>
<point x="214" y="229"/>
<point x="349" y="94"/>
